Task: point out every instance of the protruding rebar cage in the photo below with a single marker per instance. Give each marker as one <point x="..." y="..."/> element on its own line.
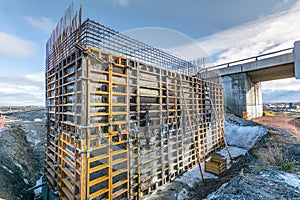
<point x="123" y="118"/>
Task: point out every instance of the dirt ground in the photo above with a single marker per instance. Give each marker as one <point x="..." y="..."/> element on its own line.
<point x="288" y="123"/>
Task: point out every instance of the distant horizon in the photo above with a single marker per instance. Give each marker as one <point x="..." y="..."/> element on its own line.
<point x="278" y="96"/>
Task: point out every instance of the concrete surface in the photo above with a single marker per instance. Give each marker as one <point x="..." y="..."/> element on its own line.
<point x="242" y="82"/>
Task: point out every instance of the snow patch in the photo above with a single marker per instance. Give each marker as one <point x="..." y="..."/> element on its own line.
<point x="31" y="137"/>
<point x="38" y="190"/>
<point x="243" y="136"/>
<point x="38" y="120"/>
<point x="25" y="181"/>
<point x="234" y="152"/>
<point x="291" y="179"/>
<point x="182" y="195"/>
<point x="5" y="168"/>
<point x="282" y="177"/>
<point x="18" y="165"/>
<point x="12" y="120"/>
<point x="193" y="176"/>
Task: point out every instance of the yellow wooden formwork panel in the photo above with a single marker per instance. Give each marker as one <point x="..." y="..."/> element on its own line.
<point x="127" y="129"/>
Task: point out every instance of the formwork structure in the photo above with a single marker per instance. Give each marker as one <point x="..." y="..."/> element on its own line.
<point x="123" y="118"/>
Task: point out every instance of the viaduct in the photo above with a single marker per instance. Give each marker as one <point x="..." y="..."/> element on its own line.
<point x="242" y="79"/>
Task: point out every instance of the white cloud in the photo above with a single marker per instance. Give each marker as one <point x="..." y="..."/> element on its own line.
<point x="268" y="34"/>
<point x="283" y="84"/>
<point x="22" y="90"/>
<point x="20" y="99"/>
<point x="119" y="2"/>
<point x="123" y="2"/>
<point x="16" y="47"/>
<point x="283" y="5"/>
<point x="191" y="51"/>
<point x="43" y="24"/>
<point x="36" y="77"/>
<point x="275" y="32"/>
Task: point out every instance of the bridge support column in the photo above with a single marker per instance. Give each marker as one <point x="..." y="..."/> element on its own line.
<point x="242" y="97"/>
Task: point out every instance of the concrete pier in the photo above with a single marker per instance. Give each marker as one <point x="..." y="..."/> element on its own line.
<point x="242" y="79"/>
<point x="242" y="96"/>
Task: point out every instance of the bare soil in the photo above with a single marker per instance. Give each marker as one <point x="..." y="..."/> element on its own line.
<point x="287" y="123"/>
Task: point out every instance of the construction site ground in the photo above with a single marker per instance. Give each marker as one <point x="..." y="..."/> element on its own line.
<point x="252" y="176"/>
<point x="289" y="123"/>
<point x="255" y="175"/>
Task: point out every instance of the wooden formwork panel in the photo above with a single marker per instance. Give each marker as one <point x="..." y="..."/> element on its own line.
<point x="63" y="163"/>
<point x="107" y="163"/>
<point x="119" y="129"/>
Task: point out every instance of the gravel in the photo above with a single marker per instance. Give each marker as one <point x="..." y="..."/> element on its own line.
<point x="267" y="184"/>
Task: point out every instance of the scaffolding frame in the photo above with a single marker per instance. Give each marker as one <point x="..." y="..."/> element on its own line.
<point x="119" y="114"/>
<point x="120" y="129"/>
<point x="94" y="34"/>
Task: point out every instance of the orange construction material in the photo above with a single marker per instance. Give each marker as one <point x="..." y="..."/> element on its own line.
<point x="2" y="121"/>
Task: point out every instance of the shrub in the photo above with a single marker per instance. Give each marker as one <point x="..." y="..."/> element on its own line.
<point x="274" y="157"/>
<point x="268" y="113"/>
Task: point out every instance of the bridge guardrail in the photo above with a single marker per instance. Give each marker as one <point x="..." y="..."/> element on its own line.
<point x="253" y="58"/>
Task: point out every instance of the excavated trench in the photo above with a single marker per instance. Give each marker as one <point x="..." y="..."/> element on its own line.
<point x="22" y="154"/>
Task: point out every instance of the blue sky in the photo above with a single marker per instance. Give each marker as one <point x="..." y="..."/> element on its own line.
<point x="226" y="30"/>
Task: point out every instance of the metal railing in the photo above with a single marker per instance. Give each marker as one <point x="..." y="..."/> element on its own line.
<point x="253" y="58"/>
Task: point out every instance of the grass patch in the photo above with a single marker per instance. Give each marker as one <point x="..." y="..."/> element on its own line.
<point x="274" y="157"/>
<point x="268" y="113"/>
